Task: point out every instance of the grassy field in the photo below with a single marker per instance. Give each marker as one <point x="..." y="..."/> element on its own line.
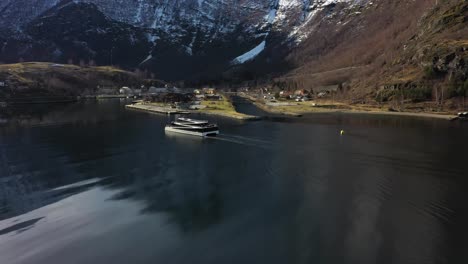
<point x="299" y="108"/>
<point x="225" y="108"/>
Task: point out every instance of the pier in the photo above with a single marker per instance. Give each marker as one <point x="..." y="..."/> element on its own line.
<point x="156" y="109"/>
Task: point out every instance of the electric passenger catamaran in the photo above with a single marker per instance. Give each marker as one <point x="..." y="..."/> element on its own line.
<point x="201" y="128"/>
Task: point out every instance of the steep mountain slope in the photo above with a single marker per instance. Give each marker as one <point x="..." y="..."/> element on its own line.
<point x="188" y="38"/>
<point x="387" y="50"/>
<point x="16" y="13"/>
<point x="82" y="32"/>
<point x="368" y="46"/>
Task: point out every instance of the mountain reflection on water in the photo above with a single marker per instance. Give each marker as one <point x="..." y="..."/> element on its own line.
<point x="159" y="177"/>
<point x="95" y="183"/>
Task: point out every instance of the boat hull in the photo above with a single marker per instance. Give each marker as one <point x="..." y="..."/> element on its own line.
<point x="192" y="133"/>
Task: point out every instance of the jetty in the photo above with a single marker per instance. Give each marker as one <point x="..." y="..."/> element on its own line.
<point x="167" y="110"/>
<point x="156" y="109"/>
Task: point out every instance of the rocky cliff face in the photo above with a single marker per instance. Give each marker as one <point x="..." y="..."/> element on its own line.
<point x="368" y="43"/>
<point x="14" y="14"/>
<point x="213" y="18"/>
<point x="176" y="39"/>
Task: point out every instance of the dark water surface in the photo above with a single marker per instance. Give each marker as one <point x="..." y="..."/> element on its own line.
<point x="94" y="183"/>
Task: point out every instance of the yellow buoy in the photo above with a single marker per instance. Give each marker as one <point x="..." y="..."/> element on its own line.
<point x="342" y="132"/>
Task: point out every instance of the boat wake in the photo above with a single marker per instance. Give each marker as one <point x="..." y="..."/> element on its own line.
<point x="247" y="141"/>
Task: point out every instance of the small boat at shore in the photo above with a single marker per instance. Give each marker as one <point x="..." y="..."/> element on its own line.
<point x="187" y="126"/>
<point x="461" y="116"/>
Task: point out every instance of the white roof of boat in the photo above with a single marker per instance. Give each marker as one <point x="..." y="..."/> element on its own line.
<point x="192" y="120"/>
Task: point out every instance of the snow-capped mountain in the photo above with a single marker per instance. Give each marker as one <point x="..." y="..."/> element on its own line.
<point x="180" y="35"/>
<point x="362" y="46"/>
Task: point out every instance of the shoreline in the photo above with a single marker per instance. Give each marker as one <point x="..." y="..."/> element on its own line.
<point x="347" y="109"/>
<point x="384" y="113"/>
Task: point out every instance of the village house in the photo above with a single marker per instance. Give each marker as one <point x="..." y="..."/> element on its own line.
<point x="200" y="96"/>
<point x="213" y="97"/>
<point x="171" y="98"/>
<point x="209" y="90"/>
<point x="125" y="90"/>
<point x="324" y="91"/>
<point x="285" y="94"/>
<point x="301" y="92"/>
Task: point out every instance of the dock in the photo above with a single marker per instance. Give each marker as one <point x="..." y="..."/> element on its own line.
<point x="228" y="112"/>
<point x="156" y="109"/>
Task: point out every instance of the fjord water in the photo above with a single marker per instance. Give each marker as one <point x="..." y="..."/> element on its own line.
<point x="94" y="183"/>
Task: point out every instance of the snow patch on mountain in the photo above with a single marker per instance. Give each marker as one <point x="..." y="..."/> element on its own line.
<point x="297" y="16"/>
<point x="271" y="16"/>
<point x="147" y="59"/>
<point x="250" y="55"/>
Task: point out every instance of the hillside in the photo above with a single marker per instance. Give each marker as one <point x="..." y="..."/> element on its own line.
<point x="396" y="50"/>
<point x="373" y="50"/>
<point x="46" y="79"/>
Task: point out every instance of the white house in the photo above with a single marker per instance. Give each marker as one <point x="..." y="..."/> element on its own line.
<point x="125" y="90"/>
